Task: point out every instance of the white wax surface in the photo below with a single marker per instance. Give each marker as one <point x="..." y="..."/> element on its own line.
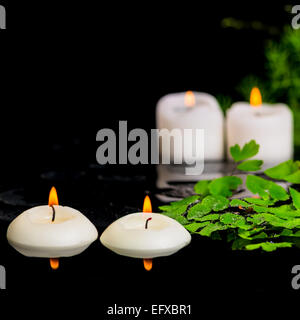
<point x="127" y="236"/>
<point x="33" y="233"/>
<point x="206" y="114"/>
<point x="270" y="125"/>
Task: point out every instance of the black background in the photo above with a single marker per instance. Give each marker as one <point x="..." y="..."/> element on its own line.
<point x="68" y="70"/>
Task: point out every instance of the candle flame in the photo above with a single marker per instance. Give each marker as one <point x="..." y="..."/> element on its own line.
<point x="255" y="97"/>
<point x="148" y="264"/>
<point x="54" y="263"/>
<point x="147" y="207"/>
<point x="53" y="199"/>
<point x="189" y="99"/>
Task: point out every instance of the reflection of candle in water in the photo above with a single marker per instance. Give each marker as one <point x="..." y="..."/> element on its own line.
<point x="54" y="263"/>
<point x="145" y="235"/>
<point x="147" y="264"/>
<point x="270" y="125"/>
<point x="51" y="231"/>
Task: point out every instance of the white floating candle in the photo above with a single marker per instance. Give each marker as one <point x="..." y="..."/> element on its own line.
<point x="270" y="125"/>
<point x="128" y="236"/>
<point x="145" y="235"/>
<point x="193" y="110"/>
<point x="38" y="233"/>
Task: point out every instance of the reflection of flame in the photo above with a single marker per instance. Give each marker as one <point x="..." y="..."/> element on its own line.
<point x="54" y="263"/>
<point x="147" y="207"/>
<point x="53" y="199"/>
<point x="148" y="264"/>
<point x="255" y="97"/>
<point x="189" y="99"/>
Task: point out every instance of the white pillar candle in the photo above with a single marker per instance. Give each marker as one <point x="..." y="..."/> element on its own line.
<point x="193" y="111"/>
<point x="270" y="125"/>
<point x="128" y="236"/>
<point x="34" y="234"/>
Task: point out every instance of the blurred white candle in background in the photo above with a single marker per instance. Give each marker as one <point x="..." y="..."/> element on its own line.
<point x="270" y="125"/>
<point x="192" y="110"/>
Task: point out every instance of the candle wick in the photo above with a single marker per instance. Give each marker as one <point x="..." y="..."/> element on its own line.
<point x="53" y="212"/>
<point x="146" y="224"/>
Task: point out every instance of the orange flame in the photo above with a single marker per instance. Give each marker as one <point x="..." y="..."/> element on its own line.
<point x="147" y="207"/>
<point x="148" y="264"/>
<point x="189" y="99"/>
<point x="255" y="97"/>
<point x="53" y="199"/>
<point x="54" y="263"/>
